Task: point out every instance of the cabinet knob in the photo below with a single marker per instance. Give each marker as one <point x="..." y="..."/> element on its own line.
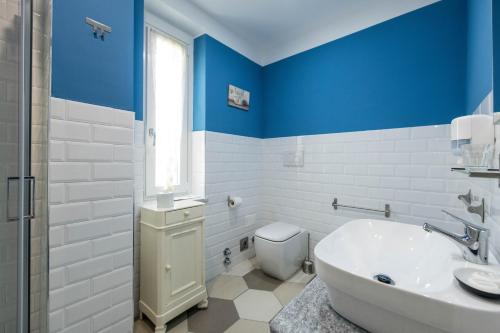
<point x="168" y="267"/>
<point x="186" y="213"/>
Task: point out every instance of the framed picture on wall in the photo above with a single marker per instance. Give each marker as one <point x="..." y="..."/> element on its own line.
<point x="238" y="98"/>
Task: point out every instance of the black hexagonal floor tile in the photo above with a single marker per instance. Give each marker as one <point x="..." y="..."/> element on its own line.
<point x="257" y="279"/>
<point x="218" y="317"/>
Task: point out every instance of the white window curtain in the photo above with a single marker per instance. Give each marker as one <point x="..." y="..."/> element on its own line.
<point x="166" y="154"/>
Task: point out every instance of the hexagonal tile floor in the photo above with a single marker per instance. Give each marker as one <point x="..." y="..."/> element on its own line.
<point x="226" y="287"/>
<point x="287" y="291"/>
<point x="257" y="305"/>
<point x="257" y="279"/>
<point x="242" y="300"/>
<point x="218" y="317"/>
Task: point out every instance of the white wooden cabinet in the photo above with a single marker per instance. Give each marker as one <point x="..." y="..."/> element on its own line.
<point x="172" y="270"/>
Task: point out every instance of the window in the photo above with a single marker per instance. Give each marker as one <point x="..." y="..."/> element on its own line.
<point x="167" y="114"/>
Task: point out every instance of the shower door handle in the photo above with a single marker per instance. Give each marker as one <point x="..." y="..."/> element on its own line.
<point x="13" y="198"/>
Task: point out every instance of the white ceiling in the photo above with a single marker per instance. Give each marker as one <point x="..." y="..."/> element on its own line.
<point x="275" y="29"/>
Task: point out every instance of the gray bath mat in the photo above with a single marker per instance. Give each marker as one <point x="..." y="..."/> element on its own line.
<point x="310" y="312"/>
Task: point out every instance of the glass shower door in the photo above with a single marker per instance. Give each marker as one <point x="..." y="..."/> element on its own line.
<point x="17" y="186"/>
<point x="9" y="162"/>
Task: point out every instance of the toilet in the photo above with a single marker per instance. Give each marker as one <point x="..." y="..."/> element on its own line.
<point x="281" y="249"/>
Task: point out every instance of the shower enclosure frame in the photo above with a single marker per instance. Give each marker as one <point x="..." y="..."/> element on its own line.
<point x="23" y="229"/>
<point x="24" y="258"/>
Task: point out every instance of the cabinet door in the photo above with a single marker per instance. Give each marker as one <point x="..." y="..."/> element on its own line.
<point x="183" y="263"/>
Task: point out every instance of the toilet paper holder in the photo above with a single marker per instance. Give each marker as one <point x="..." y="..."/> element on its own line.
<point x="233" y="202"/>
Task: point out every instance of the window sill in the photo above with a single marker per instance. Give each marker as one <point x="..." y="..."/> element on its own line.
<point x="191" y="197"/>
<point x="199" y="198"/>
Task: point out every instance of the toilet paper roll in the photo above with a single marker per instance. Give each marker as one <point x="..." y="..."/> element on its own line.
<point x="234" y="202"/>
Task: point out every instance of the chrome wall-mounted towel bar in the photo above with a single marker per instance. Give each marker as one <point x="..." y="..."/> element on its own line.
<point x="386" y="211"/>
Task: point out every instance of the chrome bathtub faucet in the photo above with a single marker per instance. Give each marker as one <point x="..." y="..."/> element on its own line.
<point x="474" y="241"/>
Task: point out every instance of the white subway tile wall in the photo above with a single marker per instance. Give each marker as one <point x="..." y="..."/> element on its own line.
<point x="91" y="189"/>
<point x="9" y="72"/>
<point x="198" y="163"/>
<point x="490" y="190"/>
<point x="139" y="155"/>
<point x="408" y="168"/>
<point x="232" y="167"/>
<point x="8" y="163"/>
<point x="222" y="165"/>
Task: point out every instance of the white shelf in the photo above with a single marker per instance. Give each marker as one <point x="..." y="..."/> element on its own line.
<point x="490" y="173"/>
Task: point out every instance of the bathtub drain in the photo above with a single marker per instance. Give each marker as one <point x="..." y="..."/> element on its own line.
<point x="384" y="279"/>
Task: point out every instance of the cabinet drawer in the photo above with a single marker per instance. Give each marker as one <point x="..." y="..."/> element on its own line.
<point x="181" y="215"/>
<point x="182" y="211"/>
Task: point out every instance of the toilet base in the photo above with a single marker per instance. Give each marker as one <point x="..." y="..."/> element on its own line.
<point x="281" y="259"/>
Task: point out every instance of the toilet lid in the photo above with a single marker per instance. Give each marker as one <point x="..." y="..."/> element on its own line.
<point x="277" y="232"/>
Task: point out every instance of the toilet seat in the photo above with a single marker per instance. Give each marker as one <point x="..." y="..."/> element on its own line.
<point x="277" y="232"/>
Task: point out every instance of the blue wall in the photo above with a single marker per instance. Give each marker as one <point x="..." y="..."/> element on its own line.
<point x="138" y="58"/>
<point x="199" y="84"/>
<point x="408" y="71"/>
<point x="216" y="67"/>
<point x="89" y="70"/>
<point x="479" y="72"/>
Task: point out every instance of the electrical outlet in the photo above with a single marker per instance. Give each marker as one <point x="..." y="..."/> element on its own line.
<point x="243" y="244"/>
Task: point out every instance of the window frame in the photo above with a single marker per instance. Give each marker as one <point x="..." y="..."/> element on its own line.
<point x="161" y="27"/>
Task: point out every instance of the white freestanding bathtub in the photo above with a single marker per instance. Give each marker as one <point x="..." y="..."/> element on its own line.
<point x="425" y="296"/>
